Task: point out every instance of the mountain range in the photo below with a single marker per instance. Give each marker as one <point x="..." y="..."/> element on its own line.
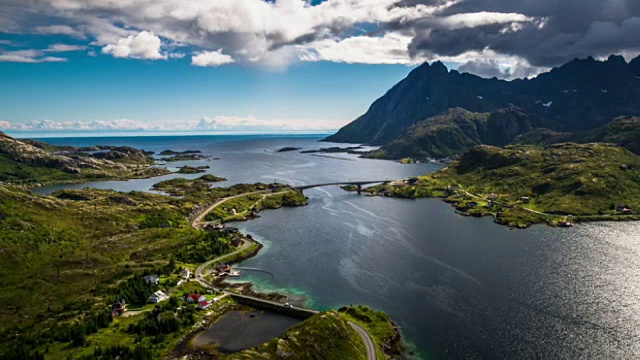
<point x="436" y="112"/>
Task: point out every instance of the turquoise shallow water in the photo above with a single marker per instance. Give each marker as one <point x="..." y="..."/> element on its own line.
<point x="458" y="287"/>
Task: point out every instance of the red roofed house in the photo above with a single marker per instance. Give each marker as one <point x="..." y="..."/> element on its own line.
<point x="196" y="298"/>
<point x="204" y="305"/>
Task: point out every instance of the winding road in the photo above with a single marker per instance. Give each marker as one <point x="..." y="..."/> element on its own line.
<point x="368" y="341"/>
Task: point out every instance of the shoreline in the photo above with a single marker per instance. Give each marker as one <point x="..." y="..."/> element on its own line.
<point x="534" y="217"/>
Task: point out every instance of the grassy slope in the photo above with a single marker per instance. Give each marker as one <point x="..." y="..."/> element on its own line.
<point x="96" y="240"/>
<point x="624" y="132"/>
<point x="456" y="131"/>
<point x="323" y="336"/>
<point x="583" y="180"/>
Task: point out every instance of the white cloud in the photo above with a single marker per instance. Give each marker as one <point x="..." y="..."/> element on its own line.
<point x="251" y="123"/>
<point x="64" y="48"/>
<point x="211" y="58"/>
<point x="254" y="31"/>
<point x="388" y="49"/>
<point x="221" y="123"/>
<point x="29" y="56"/>
<point x="144" y="45"/>
<point x="58" y="30"/>
<point x="471" y="20"/>
<point x="176" y="55"/>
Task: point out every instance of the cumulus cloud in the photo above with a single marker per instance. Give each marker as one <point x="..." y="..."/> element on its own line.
<point x="529" y="35"/>
<point x="143" y="45"/>
<point x="391" y="48"/>
<point x="211" y="58"/>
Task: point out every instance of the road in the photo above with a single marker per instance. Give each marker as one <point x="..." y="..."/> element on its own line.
<point x="198" y="219"/>
<point x="200" y="269"/>
<point x="368" y="341"/>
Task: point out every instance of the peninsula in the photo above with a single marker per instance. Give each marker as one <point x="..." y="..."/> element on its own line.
<point x="523" y="185"/>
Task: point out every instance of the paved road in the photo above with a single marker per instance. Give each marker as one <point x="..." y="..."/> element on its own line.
<point x="368" y="342"/>
<point x="200" y="269"/>
<point x="198" y="219"/>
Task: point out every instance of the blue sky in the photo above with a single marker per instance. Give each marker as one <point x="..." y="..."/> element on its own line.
<point x="278" y="65"/>
<point x="90" y="88"/>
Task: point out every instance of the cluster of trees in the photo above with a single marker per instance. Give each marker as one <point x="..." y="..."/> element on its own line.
<point x="22" y="352"/>
<point x="135" y="291"/>
<point x="165" y="319"/>
<point x="77" y="332"/>
<point x="120" y="352"/>
<point x="208" y="245"/>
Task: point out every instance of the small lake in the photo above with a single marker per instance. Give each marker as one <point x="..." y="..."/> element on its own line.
<point x="236" y="330"/>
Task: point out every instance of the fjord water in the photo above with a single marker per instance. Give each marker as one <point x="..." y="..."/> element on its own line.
<point x="458" y="287"/>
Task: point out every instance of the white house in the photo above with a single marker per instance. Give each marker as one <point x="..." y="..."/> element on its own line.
<point x="157" y="297"/>
<point x="186" y="273"/>
<point x="152" y="279"/>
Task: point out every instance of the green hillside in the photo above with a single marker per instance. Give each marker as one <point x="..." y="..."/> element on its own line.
<point x="588" y="182"/>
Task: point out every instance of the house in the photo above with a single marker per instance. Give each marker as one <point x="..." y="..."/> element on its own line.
<point x="624" y="209"/>
<point x="223" y="269"/>
<point x="454" y="187"/>
<point x="157" y="297"/>
<point x="204" y="305"/>
<point x="413" y="181"/>
<point x="492" y="196"/>
<point x="118" y="308"/>
<point x="151" y="279"/>
<point x="236" y="242"/>
<point x="196" y="298"/>
<point x="249" y="237"/>
<point x="232" y="230"/>
<point x="525" y="199"/>
<point x="186" y="273"/>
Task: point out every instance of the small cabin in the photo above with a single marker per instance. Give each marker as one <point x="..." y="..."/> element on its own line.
<point x="525" y="199"/>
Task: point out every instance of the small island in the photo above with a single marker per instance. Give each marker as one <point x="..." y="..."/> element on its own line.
<point x="288" y="149"/>
<point x="193" y="170"/>
<point x="524" y="185"/>
<point x="171" y="152"/>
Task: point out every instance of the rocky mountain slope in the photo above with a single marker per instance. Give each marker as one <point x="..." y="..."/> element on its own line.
<point x="578" y="96"/>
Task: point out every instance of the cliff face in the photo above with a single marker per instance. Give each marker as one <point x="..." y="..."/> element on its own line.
<point x="578" y="96"/>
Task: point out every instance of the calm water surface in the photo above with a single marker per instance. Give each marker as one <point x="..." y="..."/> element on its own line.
<point x="458" y="287"/>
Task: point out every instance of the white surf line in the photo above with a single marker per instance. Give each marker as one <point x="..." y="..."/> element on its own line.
<point x="324" y="191"/>
<point x="372" y="214"/>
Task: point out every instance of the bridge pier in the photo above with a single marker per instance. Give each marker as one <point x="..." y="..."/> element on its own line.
<point x="359" y="189"/>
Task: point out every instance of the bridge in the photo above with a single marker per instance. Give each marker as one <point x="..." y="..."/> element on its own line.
<point x="359" y="184"/>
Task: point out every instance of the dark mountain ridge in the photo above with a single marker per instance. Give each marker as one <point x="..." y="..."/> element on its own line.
<point x="581" y="95"/>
